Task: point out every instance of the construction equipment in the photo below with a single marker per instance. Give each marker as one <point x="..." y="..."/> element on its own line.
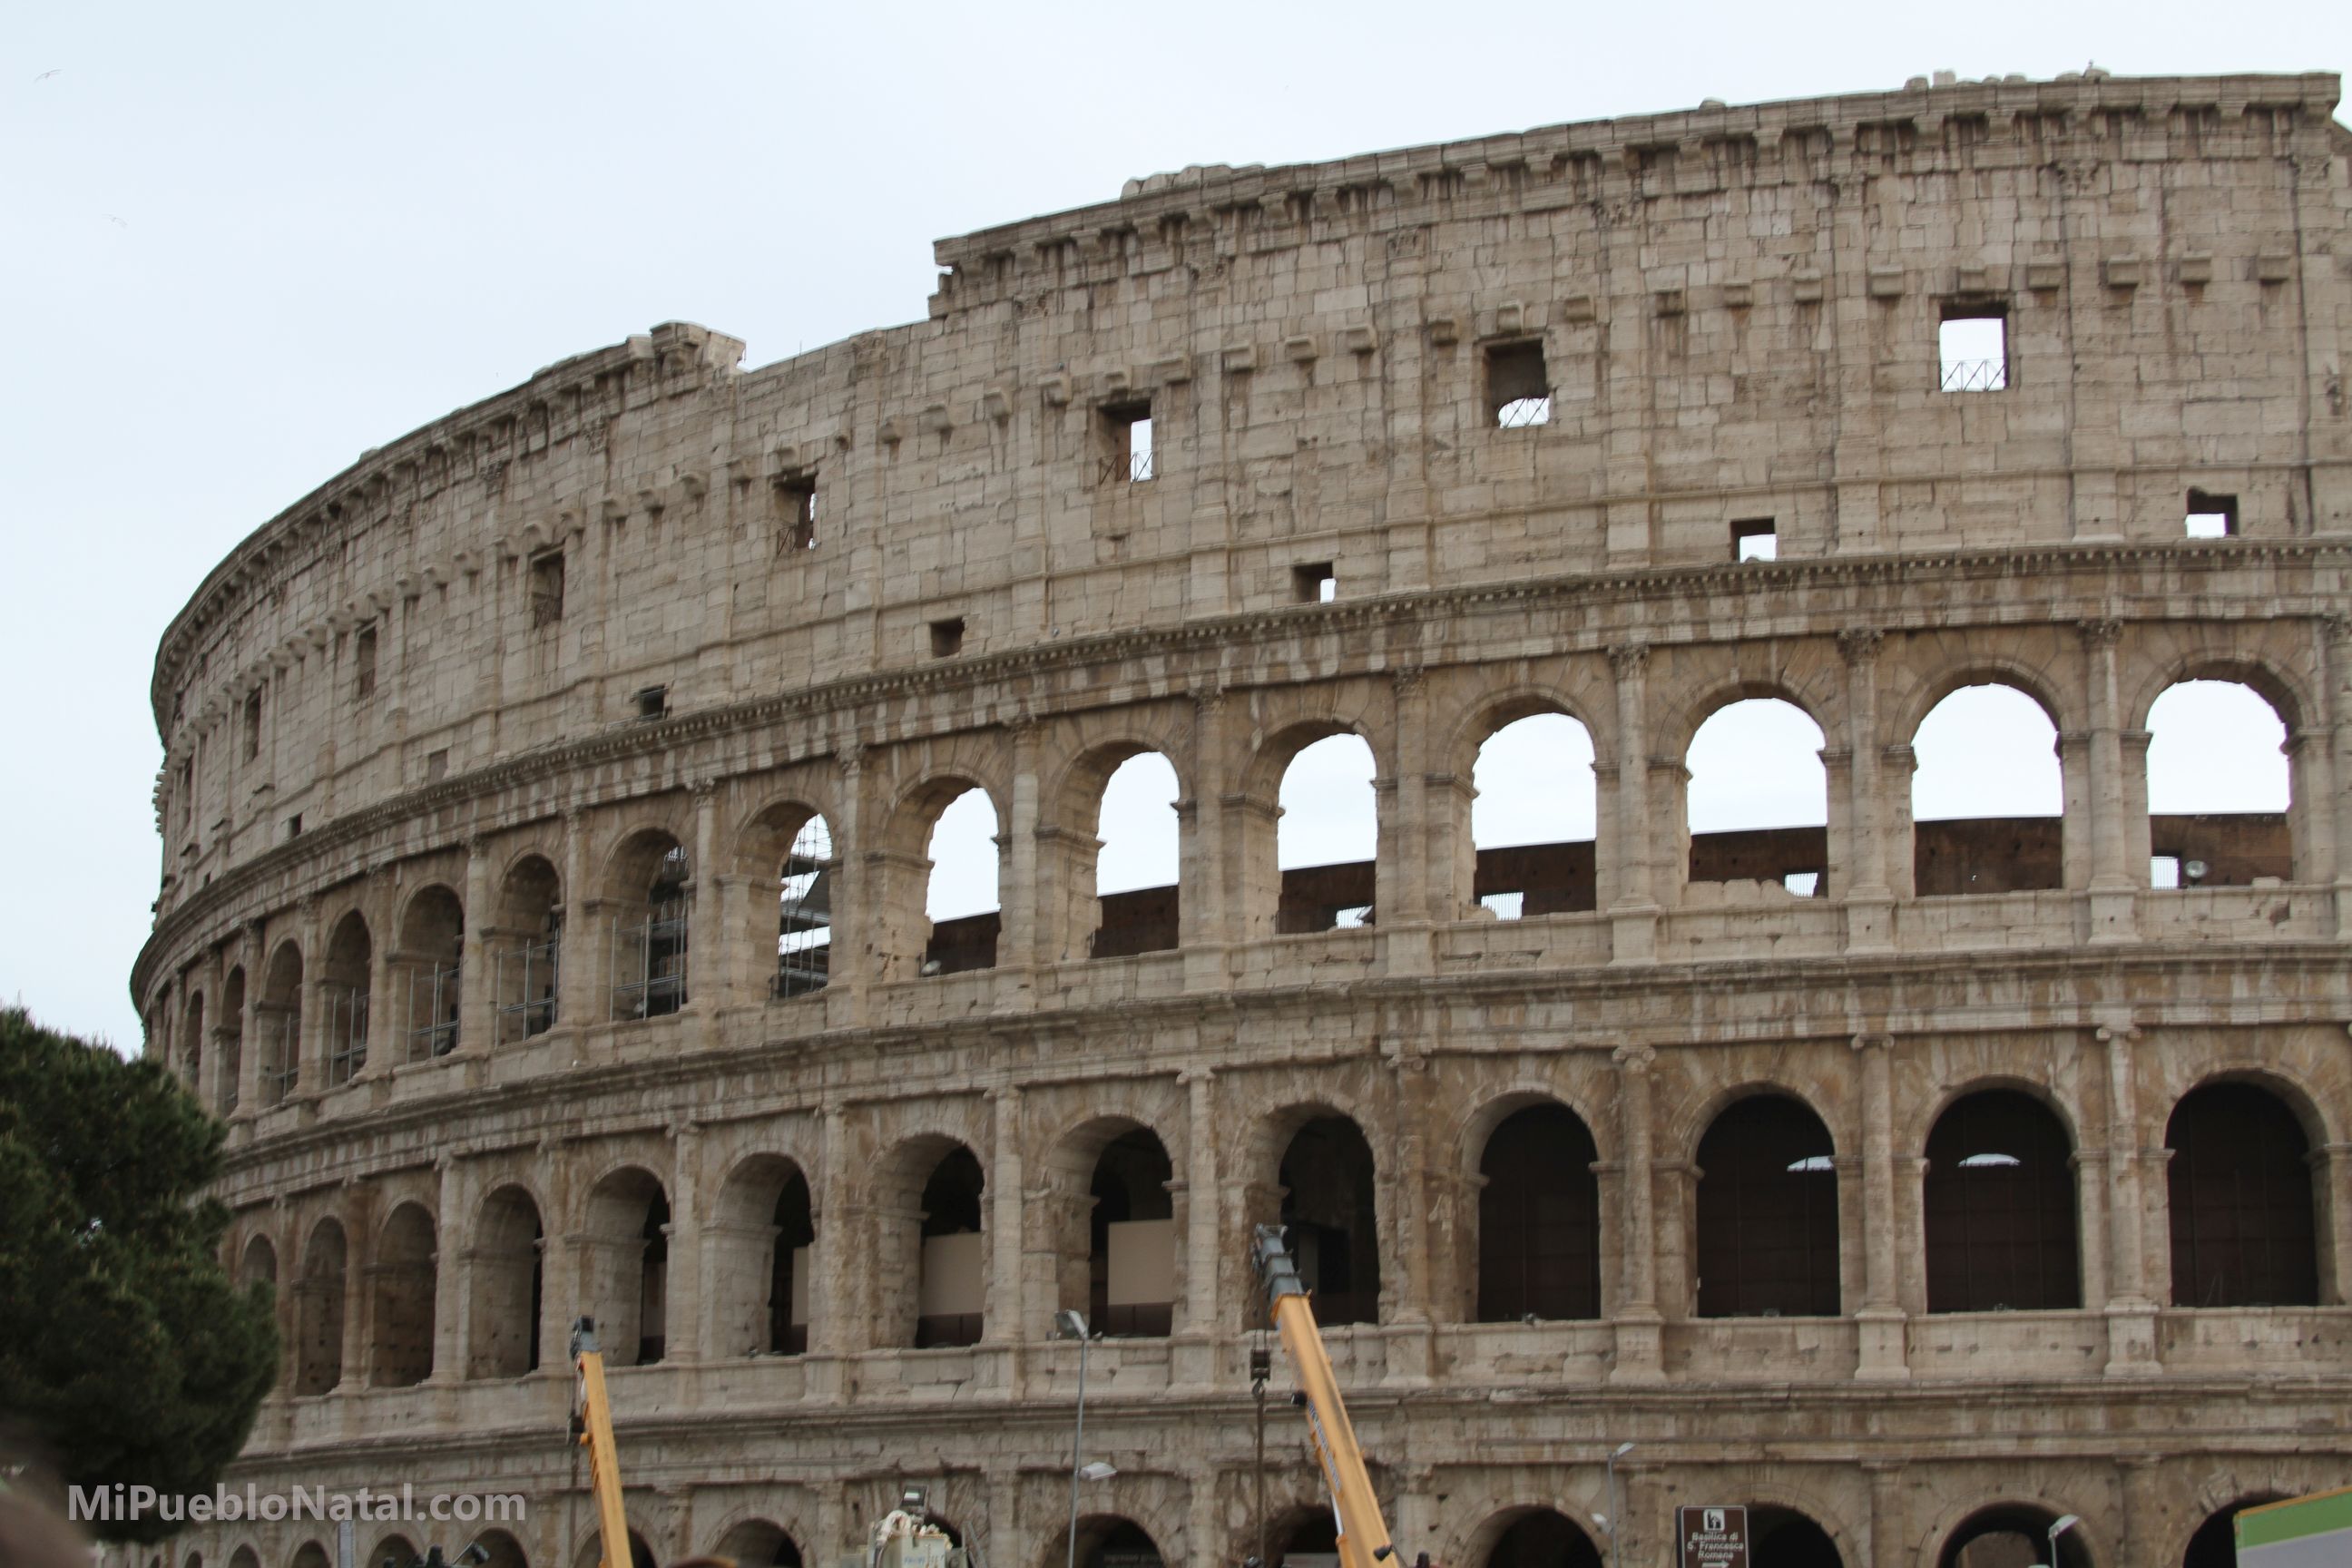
<point x="1363" y="1534"/>
<point x="592" y="1422"/>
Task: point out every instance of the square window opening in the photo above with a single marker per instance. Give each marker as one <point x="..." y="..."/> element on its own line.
<point x="1128" y="457"/>
<point x="796" y="499"/>
<point x="436" y="765"/>
<point x="546" y="589"/>
<point x="653" y="703"/>
<point x="253" y="724"/>
<point x="1518" y="390"/>
<point x="1314" y="584"/>
<point x="1755" y="539"/>
<point x="364" y="663"/>
<point x="1973" y="345"/>
<point x="2211" y="516"/>
<point x="947" y="637"/>
<point x="2164" y="871"/>
<point x="294" y="825"/>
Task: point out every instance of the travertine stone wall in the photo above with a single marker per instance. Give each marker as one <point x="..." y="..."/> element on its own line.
<point x="429" y="677"/>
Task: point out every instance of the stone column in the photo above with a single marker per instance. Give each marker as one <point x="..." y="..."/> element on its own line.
<point x="852" y="963"/>
<point x="2112" y="887"/>
<point x="1409" y="893"/>
<point x="2330" y="774"/>
<point x="2130" y="1312"/>
<point x="450" y="1247"/>
<point x="580" y="960"/>
<point x="387" y="1034"/>
<point x="1631" y="844"/>
<point x="357" y="1213"/>
<point x="1886" y="1521"/>
<point x="1410" y="1350"/>
<point x="247" y="1023"/>
<point x="682" y="1321"/>
<point x="1005" y="1180"/>
<point x="2145" y="1496"/>
<point x="1191" y="1351"/>
<point x="1868" y="894"/>
<point x="1204" y="1541"/>
<point x="1880" y="1317"/>
<point x="310" y="1031"/>
<point x="2335" y="1162"/>
<point x="1206" y="901"/>
<point x="706" y="933"/>
<point x="1640" y="1348"/>
<point x="1017" y="945"/>
<point x="839" y="1246"/>
<point x="477" y="983"/>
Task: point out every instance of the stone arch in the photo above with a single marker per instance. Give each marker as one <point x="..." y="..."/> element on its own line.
<point x="524" y="938"/>
<point x="508" y="1263"/>
<point x="1765" y="1231"/>
<point x="1997" y="1205"/>
<point x="591" y="1551"/>
<point x="258" y="1265"/>
<point x="424" y="969"/>
<point x="624" y="1265"/>
<point x="231" y="1030"/>
<point x="1307" y="1529"/>
<point x="345" y="981"/>
<point x="1719" y="843"/>
<point x="930" y="1213"/>
<point x="244" y="1557"/>
<point x="2207" y="832"/>
<point x="1328" y="1182"/>
<point x="648" y="893"/>
<point x="1088" y="916"/>
<point x="278" y="1024"/>
<point x="758" y="1543"/>
<point x="1105" y="1541"/>
<point x="913" y="940"/>
<point x="1785" y="1532"/>
<point x="394" y="1548"/>
<point x="1523" y="864"/>
<point x="1538" y="1245"/>
<point x="1529" y="1535"/>
<point x="2244" y="1199"/>
<point x="1957" y="846"/>
<point x="764" y="1231"/>
<point x="2213" y="1542"/>
<point x="402" y="1274"/>
<point x="1112" y="1227"/>
<point x="504" y="1550"/>
<point x="311" y="1555"/>
<point x="2284" y="690"/>
<point x="786" y="862"/>
<point x="1270" y="901"/>
<point x="318" y="1310"/>
<point x="2029" y="1518"/>
<point x="1912" y="1132"/>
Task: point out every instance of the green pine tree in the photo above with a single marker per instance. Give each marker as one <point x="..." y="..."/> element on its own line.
<point x="123" y="1342"/>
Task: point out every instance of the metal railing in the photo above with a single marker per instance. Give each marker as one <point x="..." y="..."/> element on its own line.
<point x="344" y="1009"/>
<point x="1521" y="412"/>
<point x="281" y="1044"/>
<point x="431" y="1012"/>
<point x="1976" y="375"/>
<point x="527" y="980"/>
<point x="649" y="965"/>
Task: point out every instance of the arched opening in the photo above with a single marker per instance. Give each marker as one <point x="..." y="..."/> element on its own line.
<point x="960" y="894"/>
<point x="1539" y="1218"/>
<point x="1758" y="800"/>
<point x="626" y="1266"/>
<point x="1329" y="1213"/>
<point x="1543" y="1538"/>
<point x="1326" y="836"/>
<point x="1783" y="1538"/>
<point x="319" y="1311"/>
<point x="311" y="1555"/>
<point x="1998" y="1202"/>
<point x="2011" y="1535"/>
<point x="191" y="1046"/>
<point x="1988" y="797"/>
<point x="395" y="1549"/>
<point x="232" y="1038"/>
<point x="756" y="1543"/>
<point x="402" y="1275"/>
<point x="244" y="1557"/>
<point x="2244" y="1227"/>
<point x="804" y="912"/>
<point x="1132" y="1238"/>
<point x="343" y="984"/>
<point x="1137" y="892"/>
<point x="592" y="1553"/>
<point x="527" y="936"/>
<point x="2214" y="1543"/>
<point x="1766" y="1213"/>
<point x="432" y="944"/>
<point x="259" y="1264"/>
<point x="652" y="891"/>
<point x="1534" y="818"/>
<point x="502" y="1549"/>
<point x="952" y="1291"/>
<point x="765" y="1229"/>
<point x="1306" y="1538"/>
<point x="1105" y="1541"/>
<point x="277" y="1025"/>
<point x="2219" y="788"/>
<point x="509" y="1262"/>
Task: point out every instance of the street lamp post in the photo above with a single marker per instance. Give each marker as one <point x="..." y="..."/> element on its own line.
<point x="1616" y="1512"/>
<point x="2059" y="1529"/>
<point x="1072" y="1325"/>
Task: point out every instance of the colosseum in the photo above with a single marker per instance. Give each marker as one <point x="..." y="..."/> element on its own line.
<point x="553" y="901"/>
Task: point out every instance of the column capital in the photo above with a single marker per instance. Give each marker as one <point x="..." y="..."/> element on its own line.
<point x="1874" y="1042"/>
<point x="1407" y="679"/>
<point x="1858" y="646"/>
<point x="2099" y="632"/>
<point x="1633" y="1056"/>
<point x="849" y="759"/>
<point x="1627" y="658"/>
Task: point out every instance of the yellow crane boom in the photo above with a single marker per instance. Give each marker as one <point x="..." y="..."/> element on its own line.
<point x="1363" y="1534"/>
<point x="593" y="1422"/>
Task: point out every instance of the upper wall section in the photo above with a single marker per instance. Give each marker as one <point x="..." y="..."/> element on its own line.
<point x="1734" y="314"/>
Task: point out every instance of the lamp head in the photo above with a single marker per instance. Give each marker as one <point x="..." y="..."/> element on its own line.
<point x="1070" y="1324"/>
<point x="1097" y="1470"/>
<point x="1622" y="1449"/>
<point x="2064" y="1525"/>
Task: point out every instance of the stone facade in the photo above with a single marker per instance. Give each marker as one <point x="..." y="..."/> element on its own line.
<point x="558" y="680"/>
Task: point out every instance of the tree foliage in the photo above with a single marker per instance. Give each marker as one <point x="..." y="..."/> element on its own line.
<point x="122" y="1340"/>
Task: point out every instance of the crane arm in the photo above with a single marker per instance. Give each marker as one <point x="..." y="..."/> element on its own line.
<point x="595" y="1422"/>
<point x="1363" y="1534"/>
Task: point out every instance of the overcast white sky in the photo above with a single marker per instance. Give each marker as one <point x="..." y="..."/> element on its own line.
<point x="246" y="243"/>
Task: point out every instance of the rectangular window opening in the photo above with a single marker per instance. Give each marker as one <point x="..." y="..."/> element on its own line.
<point x="947" y="637"/>
<point x="796" y="499"/>
<point x="2164" y="871"/>
<point x="1128" y="456"/>
<point x="1505" y="906"/>
<point x="1755" y="539"/>
<point x="1519" y="390"/>
<point x="547" y="588"/>
<point x="2211" y="516"/>
<point x="1314" y="584"/>
<point x="364" y="663"/>
<point x="436" y="765"/>
<point x="253" y="724"/>
<point x="294" y="825"/>
<point x="653" y="703"/>
<point x="1973" y="345"/>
